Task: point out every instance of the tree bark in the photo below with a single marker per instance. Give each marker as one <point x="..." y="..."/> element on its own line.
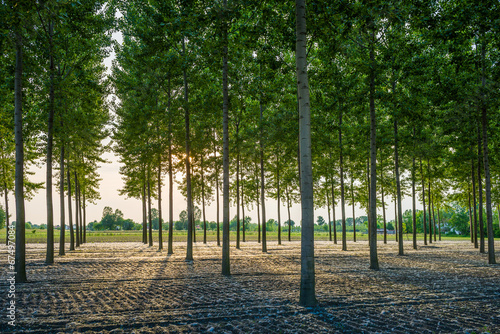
<point x="434" y="218"/>
<point x="189" y="248"/>
<point x="84" y="220"/>
<point x="217" y="196"/>
<point x="237" y="187"/>
<point x="396" y="219"/>
<point x="170" y="178"/>
<point x="6" y="194"/>
<point x="150" y="221"/>
<point x="49" y="259"/>
<point x="203" y="202"/>
<point x="258" y="204"/>
<point x="144" y="211"/>
<point x="77" y="224"/>
<point x="486" y="163"/>
<point x="439" y="224"/>
<point x="20" y="257"/>
<point x="61" y="197"/>
<point x="423" y="202"/>
<point x="353" y="207"/>
<point x="288" y="209"/>
<point x="307" y="282"/>
<point x="160" y="227"/>
<point x="368" y="191"/>
<point x="471" y="224"/>
<point x="373" y="160"/>
<point x="334" y="221"/>
<point x="80" y="216"/>
<point x="414" y="195"/>
<point x="70" y="212"/>
<point x="279" y="200"/>
<point x="342" y="195"/>
<point x="475" y="204"/>
<point x="398" y="183"/>
<point x="480" y="193"/>
<point x="226" y="268"/>
<point x="262" y="181"/>
<point x="243" y="211"/>
<point x="329" y="216"/>
<point x="430" y="200"/>
<point x="383" y="203"/>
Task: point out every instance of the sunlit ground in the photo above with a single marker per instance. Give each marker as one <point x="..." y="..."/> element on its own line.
<point x="128" y="287"/>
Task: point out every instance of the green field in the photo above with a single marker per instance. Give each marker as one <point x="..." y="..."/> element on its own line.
<point x="40" y="236"/>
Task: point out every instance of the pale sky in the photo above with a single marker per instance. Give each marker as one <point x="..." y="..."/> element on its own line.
<point x="132" y="208"/>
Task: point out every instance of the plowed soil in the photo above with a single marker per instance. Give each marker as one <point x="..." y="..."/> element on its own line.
<point x="446" y="287"/>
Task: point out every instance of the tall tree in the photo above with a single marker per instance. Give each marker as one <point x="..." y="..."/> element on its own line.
<point x="307" y="282"/>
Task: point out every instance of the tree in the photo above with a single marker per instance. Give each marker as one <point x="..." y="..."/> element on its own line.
<point x="307" y="282"/>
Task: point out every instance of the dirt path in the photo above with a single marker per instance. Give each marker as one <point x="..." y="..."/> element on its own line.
<point x="131" y="288"/>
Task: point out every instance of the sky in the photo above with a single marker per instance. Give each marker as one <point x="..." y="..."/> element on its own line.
<point x="112" y="182"/>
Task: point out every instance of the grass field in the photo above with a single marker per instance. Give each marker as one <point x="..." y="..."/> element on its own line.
<point x="40" y="236"/>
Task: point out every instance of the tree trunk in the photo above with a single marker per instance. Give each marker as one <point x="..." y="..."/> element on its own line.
<point x="480" y="193"/>
<point x="6" y="193"/>
<point x="398" y="183"/>
<point x="307" y="282"/>
<point x="192" y="209"/>
<point x="279" y="200"/>
<point x="237" y="187"/>
<point x="61" y="197"/>
<point x="84" y="221"/>
<point x="262" y="181"/>
<point x="243" y="211"/>
<point x="471" y="224"/>
<point x="20" y="257"/>
<point x="217" y="196"/>
<point x="203" y="202"/>
<point x="49" y="259"/>
<point x="368" y="189"/>
<point x="77" y="224"/>
<point x="342" y="195"/>
<point x="334" y="221"/>
<point x="486" y="163"/>
<point x="70" y="212"/>
<point x="288" y="209"/>
<point x="396" y="226"/>
<point x="414" y="195"/>
<point x="144" y="212"/>
<point x="353" y="214"/>
<point x="423" y="202"/>
<point x="160" y="227"/>
<point x="189" y="248"/>
<point x="170" y="178"/>
<point x="475" y="204"/>
<point x="150" y="221"/>
<point x="383" y="203"/>
<point x="329" y="216"/>
<point x="373" y="161"/>
<point x="226" y="268"/>
<point x="258" y="206"/>
<point x="439" y="224"/>
<point x="434" y="218"/>
<point x="80" y="216"/>
<point x="430" y="200"/>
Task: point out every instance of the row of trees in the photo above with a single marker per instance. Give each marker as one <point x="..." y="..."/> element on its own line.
<point x="53" y="108"/>
<point x="403" y="95"/>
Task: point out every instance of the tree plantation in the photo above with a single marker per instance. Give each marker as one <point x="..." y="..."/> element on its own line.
<point x="388" y="107"/>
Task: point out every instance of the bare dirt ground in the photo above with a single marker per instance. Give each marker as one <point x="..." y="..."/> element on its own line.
<point x="131" y="288"/>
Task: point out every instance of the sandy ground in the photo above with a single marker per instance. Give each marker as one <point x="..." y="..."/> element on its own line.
<point x="131" y="288"/>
